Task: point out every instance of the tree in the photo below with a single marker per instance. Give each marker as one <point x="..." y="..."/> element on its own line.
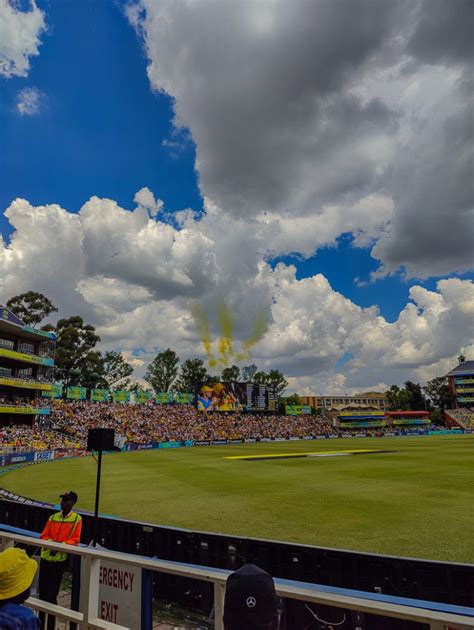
<point x="417" y="400"/>
<point x="248" y="372"/>
<point x="163" y="370"/>
<point x="92" y="373"/>
<point x="439" y="393"/>
<point x="31" y="307"/>
<point x="398" y="399"/>
<point x="261" y="378"/>
<point x="279" y="382"/>
<point x="75" y="343"/>
<point x="294" y="399"/>
<point x="192" y="372"/>
<point x="116" y="369"/>
<point x="231" y="374"/>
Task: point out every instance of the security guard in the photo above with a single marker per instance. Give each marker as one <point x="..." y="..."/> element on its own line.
<point x="64" y="527"/>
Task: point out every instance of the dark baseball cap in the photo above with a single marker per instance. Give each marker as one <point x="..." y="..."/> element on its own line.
<point x="251" y="602"/>
<point x="70" y="494"/>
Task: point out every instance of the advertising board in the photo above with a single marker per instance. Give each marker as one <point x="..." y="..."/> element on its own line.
<point x="100" y="395"/>
<point x="76" y="393"/>
<point x="121" y="395"/>
<point x="225" y="397"/>
<point x="298" y="410"/>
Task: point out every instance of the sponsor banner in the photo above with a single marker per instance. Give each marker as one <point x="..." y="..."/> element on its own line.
<point x="100" y="395"/>
<point x="310" y="437"/>
<point x="55" y="392"/>
<point x="265" y="439"/>
<point x="218" y="442"/>
<point x="171" y="444"/>
<point x="411" y="421"/>
<point x="76" y="393"/>
<point x="362" y="413"/>
<point x="18" y="382"/>
<point x="366" y="423"/>
<point x="202" y="443"/>
<point x="18" y="458"/>
<point x="63" y="453"/>
<point x="43" y="333"/>
<point x="36" y="411"/>
<point x="164" y="398"/>
<point x="250" y="440"/>
<point x="280" y="439"/>
<point x="26" y="358"/>
<point x="143" y="397"/>
<point x="298" y="410"/>
<point x="183" y="398"/>
<point x="44" y="456"/>
<point x="144" y="447"/>
<point x="235" y="441"/>
<point x="10" y="317"/>
<point x="121" y="395"/>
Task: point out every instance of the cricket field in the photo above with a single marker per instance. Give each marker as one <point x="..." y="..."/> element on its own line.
<point x="413" y="498"/>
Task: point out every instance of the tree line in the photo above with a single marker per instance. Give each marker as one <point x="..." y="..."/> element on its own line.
<point x="78" y="362"/>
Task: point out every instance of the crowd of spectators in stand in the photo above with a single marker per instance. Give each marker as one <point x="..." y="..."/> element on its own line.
<point x="145" y="423"/>
<point x="463" y="415"/>
<point x="16" y="401"/>
<point x="27" y="437"/>
<point x="150" y="422"/>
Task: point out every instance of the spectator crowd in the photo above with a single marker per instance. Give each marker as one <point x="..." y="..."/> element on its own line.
<point x="151" y="422"/>
<point x="144" y="423"/>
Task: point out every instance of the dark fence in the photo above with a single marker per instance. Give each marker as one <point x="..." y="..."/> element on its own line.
<point x="449" y="583"/>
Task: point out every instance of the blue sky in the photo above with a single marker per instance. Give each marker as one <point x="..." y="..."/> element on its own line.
<point x="104" y="128"/>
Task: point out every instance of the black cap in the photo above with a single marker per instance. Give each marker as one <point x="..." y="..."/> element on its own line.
<point x="70" y="494"/>
<point x="251" y="601"/>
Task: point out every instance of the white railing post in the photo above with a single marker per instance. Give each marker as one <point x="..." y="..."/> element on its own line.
<point x="90" y="601"/>
<point x="219" y="593"/>
<point x="6" y="543"/>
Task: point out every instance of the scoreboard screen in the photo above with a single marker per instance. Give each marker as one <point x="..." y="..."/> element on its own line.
<point x="235" y="397"/>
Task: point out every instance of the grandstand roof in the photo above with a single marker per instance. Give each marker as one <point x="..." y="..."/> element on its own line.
<point x="467" y="367"/>
<point x="10" y="323"/>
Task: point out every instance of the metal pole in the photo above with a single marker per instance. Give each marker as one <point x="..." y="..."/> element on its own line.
<point x="97" y="494"/>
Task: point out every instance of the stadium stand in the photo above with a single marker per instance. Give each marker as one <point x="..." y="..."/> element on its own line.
<point x="463" y="417"/>
<point x="143" y="423"/>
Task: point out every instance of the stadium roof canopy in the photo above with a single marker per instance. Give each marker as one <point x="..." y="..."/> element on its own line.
<point x="467" y="367"/>
<point x="10" y="323"/>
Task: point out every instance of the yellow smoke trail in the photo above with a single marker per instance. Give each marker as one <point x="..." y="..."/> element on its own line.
<point x="226" y="324"/>
<point x="225" y="342"/>
<point x="202" y="324"/>
<point x="259" y="328"/>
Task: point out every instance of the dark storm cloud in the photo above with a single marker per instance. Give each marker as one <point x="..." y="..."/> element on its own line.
<point x="444" y="32"/>
<point x="298" y="105"/>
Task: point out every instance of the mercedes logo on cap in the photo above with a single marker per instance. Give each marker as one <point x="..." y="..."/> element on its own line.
<point x="251" y="602"/>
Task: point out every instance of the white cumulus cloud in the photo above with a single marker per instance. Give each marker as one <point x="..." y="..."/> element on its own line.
<point x="29" y="101"/>
<point x="136" y="279"/>
<point x="20" y="33"/>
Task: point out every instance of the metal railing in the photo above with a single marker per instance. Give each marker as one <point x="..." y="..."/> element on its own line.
<point x="453" y="617"/>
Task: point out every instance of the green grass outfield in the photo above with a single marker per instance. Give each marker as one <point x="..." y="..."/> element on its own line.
<point x="417" y="501"/>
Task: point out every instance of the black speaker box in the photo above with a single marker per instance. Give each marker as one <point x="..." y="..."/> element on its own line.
<point x="100" y="440"/>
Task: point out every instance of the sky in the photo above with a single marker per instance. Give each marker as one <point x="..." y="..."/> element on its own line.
<point x="308" y="164"/>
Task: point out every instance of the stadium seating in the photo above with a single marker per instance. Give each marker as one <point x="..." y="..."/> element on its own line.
<point x="464" y="417"/>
